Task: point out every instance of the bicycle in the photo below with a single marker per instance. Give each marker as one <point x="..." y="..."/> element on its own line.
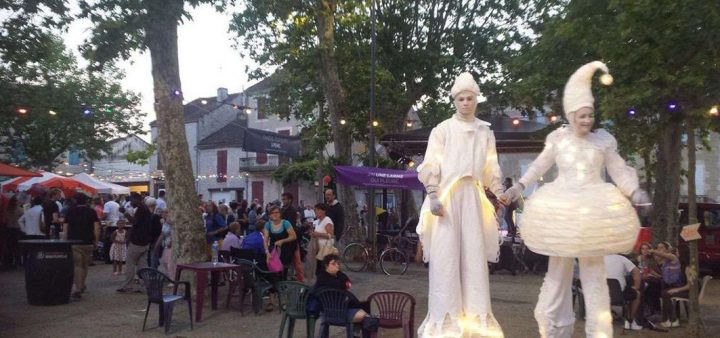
<point x="353" y="234"/>
<point x="392" y="261"/>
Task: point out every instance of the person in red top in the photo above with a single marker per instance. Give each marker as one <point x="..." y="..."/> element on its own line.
<point x="98" y="206"/>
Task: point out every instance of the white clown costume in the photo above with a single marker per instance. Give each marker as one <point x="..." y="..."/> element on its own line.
<point x="579" y="215"/>
<point x="459" y="163"/>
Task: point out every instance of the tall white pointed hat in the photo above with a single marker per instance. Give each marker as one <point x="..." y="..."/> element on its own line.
<point x="464" y="82"/>
<point x="578" y="90"/>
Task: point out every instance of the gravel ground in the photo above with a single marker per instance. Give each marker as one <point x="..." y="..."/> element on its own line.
<point x="104" y="313"/>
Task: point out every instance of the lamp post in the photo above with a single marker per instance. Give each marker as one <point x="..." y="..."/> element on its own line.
<point x="371" y="142"/>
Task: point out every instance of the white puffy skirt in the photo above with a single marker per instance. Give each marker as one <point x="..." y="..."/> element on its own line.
<point x="570" y="221"/>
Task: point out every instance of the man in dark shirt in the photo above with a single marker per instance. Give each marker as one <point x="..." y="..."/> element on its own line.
<point x="51" y="210"/>
<point x="335" y="212"/>
<point x="82" y="224"/>
<point x="139" y="243"/>
<point x="289" y="213"/>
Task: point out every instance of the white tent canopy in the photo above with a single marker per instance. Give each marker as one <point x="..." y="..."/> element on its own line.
<point x="46" y="175"/>
<point x="100" y="186"/>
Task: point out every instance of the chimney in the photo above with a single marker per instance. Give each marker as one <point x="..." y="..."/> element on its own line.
<point x="222" y="94"/>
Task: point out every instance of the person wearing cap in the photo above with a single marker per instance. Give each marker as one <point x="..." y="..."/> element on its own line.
<point x="458" y="228"/>
<point x="579" y="215"/>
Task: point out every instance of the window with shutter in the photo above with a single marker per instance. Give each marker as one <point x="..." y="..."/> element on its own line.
<point x="222" y="166"/>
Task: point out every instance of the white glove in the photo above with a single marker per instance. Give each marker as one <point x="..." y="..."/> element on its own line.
<point x="436" y="206"/>
<point x="642" y="201"/>
<point x="512" y="194"/>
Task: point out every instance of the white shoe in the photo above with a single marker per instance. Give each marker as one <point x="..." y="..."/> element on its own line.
<point x="676" y="323"/>
<point x="627" y="325"/>
<point x="634" y="326"/>
<point x="665" y="324"/>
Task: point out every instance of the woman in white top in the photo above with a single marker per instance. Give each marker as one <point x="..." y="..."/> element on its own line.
<point x="31" y="220"/>
<point x="323" y="230"/>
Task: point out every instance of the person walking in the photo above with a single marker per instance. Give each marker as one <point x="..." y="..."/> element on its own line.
<point x="140" y="237"/>
<point x="579" y="215"/>
<point x="82" y="223"/>
<point x="289" y="213"/>
<point x="336" y="212"/>
<point x="458" y="228"/>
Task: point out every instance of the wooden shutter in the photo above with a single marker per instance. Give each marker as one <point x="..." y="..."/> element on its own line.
<point x="222" y="166"/>
<point x="257" y="191"/>
<point x="284" y="159"/>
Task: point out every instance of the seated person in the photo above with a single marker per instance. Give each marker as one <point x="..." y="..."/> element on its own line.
<point x="617" y="267"/>
<point x="673" y="281"/>
<point x="255" y="241"/>
<point x="232" y="239"/>
<point x="331" y="277"/>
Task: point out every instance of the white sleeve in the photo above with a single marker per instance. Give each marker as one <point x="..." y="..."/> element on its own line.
<point x="623" y="175"/>
<point x="543" y="162"/>
<point x="106" y="208"/>
<point x="21" y="222"/>
<point x="429" y="171"/>
<point x="491" y="172"/>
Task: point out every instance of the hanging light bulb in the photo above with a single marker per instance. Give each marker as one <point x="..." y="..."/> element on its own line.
<point x="375" y="123"/>
<point x="516" y="122"/>
<point x="553" y="118"/>
<point x="714" y="111"/>
<point x="409" y="124"/>
<point x="343" y="122"/>
<point x="52" y="112"/>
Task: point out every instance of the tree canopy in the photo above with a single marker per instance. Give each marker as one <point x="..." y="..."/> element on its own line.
<point x="663" y="56"/>
<point x="50" y="104"/>
<point x="421" y="44"/>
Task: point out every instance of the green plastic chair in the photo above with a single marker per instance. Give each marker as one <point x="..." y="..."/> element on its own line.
<point x="293" y="300"/>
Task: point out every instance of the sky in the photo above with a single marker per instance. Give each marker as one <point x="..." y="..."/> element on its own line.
<point x="207" y="59"/>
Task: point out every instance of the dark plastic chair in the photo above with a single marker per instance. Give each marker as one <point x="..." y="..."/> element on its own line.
<point x="253" y="278"/>
<point x="293" y="302"/>
<point x="396" y="310"/>
<point x="334" y="305"/>
<point x="155" y="283"/>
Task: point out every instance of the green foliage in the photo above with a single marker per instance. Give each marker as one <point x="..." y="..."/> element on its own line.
<point x="658" y="52"/>
<point x="421" y="46"/>
<point x="39" y="74"/>
<point x="141" y="157"/>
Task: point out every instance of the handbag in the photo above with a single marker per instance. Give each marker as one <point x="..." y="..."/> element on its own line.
<point x="275" y="265"/>
<point x="327" y="249"/>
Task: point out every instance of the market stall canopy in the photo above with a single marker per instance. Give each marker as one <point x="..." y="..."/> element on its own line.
<point x="367" y="177"/>
<point x="100" y="186"/>
<point x="68" y="186"/>
<point x="24" y="183"/>
<point x="512" y="135"/>
<point x="13" y="171"/>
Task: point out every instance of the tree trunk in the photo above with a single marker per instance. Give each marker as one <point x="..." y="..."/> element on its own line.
<point x="161" y="39"/>
<point x="667" y="184"/>
<point x="693" y="316"/>
<point x="335" y="99"/>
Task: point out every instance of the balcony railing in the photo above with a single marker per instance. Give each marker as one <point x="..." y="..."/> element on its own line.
<point x="251" y="164"/>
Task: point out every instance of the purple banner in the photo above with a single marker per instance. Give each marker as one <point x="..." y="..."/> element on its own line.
<point x="378" y="178"/>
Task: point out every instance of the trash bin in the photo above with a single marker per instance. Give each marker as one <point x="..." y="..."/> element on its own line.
<point x="49" y="270"/>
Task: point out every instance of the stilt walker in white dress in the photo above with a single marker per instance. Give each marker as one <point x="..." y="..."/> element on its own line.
<point x="579" y="215"/>
<point x="457" y="225"/>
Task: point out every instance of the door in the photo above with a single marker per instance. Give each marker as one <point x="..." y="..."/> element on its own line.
<point x="257" y="191"/>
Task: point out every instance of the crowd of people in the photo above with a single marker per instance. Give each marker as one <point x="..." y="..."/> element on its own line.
<point x="293" y="231"/>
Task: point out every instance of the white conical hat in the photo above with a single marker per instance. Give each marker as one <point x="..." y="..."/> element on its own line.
<point x="464" y="82"/>
<point x="578" y="92"/>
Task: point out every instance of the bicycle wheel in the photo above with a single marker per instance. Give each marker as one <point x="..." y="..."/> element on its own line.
<point x="393" y="262"/>
<point x="355" y="257"/>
